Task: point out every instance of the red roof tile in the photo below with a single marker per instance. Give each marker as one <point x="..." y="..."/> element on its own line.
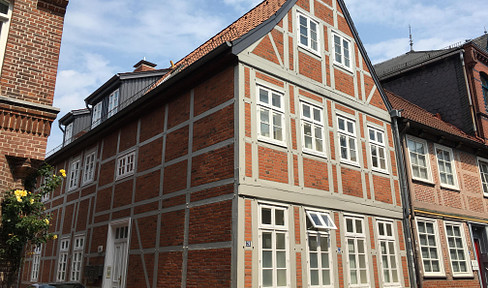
<point x="417" y="114"/>
<point x="234" y="31"/>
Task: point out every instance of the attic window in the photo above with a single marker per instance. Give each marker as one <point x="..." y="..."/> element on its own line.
<point x="308" y="33"/>
<point x="342" y="51"/>
<point x="321" y="220"/>
<point x="68" y="134"/>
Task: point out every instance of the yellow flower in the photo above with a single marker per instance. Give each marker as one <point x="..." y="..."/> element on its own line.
<point x="18" y="193"/>
<point x="31" y="201"/>
<point x="63" y="172"/>
<point x="47" y="221"/>
<point x="19" y="199"/>
<point x="55" y="236"/>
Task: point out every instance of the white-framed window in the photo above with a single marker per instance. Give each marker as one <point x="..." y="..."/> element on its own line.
<point x="36" y="263"/>
<point x="126" y="164"/>
<point x="419" y="159"/>
<point x="74" y="173"/>
<point x="430" y="250"/>
<point x="62" y="259"/>
<point x="273" y="246"/>
<point x="319" y="260"/>
<point x="5" y="14"/>
<point x="483" y="165"/>
<point x="458" y="249"/>
<point x="356" y="252"/>
<point x="89" y="167"/>
<point x="347" y="139"/>
<point x="271" y="115"/>
<point x="342" y="51"/>
<point x="77" y="258"/>
<point x="308" y="33"/>
<point x="97" y="114"/>
<point x="113" y="103"/>
<point x="446" y="165"/>
<point x="388" y="255"/>
<point x="312" y="128"/>
<point x="68" y="134"/>
<point x="378" y="149"/>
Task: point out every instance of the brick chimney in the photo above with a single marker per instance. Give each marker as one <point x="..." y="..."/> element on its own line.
<point x="144" y="65"/>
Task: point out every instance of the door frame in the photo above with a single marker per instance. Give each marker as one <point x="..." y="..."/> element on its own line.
<point x="109" y="252"/>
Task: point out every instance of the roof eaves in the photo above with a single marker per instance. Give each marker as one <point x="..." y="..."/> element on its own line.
<point x="97" y="93"/>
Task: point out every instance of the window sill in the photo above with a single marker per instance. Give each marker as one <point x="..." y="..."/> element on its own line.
<point x="310" y="50"/>
<point x="424" y="181"/>
<point x="272" y="141"/>
<point x="314" y="153"/>
<point x="452" y="188"/>
<point x="386" y="172"/>
<point x="345" y="68"/>
<point x="355" y="164"/>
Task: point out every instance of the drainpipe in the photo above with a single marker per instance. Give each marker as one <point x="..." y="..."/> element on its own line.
<point x="61" y="128"/>
<point x="468" y="90"/>
<point x="405" y="194"/>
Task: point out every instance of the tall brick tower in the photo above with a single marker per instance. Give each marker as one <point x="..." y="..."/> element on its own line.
<point x="30" y="40"/>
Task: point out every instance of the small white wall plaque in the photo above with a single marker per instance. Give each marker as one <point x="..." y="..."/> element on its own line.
<point x="474" y="264"/>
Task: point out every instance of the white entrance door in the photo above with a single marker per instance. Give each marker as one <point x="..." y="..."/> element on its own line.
<point x="119" y="261"/>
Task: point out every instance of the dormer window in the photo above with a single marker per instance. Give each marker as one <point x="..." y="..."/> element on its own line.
<point x="113" y="103"/>
<point x="5" y="12"/>
<point x="68" y="134"/>
<point x="97" y="114"/>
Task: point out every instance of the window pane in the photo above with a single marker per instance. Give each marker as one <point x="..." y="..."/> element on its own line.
<point x="267" y="278"/>
<point x="306" y="111"/>
<point x="266" y="216"/>
<point x="263" y="96"/>
<point x="267" y="240"/>
<point x="281" y="277"/>
<point x="276" y="100"/>
<point x="314" y="277"/>
<point x="281" y="259"/>
<point x="279" y="217"/>
<point x="280" y="241"/>
<point x="267" y="259"/>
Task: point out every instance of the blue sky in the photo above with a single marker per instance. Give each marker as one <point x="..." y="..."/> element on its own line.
<point x="104" y="37"/>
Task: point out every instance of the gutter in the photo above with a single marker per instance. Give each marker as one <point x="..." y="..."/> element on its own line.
<point x="396" y="115"/>
<point x="471" y="107"/>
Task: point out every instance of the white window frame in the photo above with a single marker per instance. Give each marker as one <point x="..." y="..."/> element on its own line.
<point x="348" y="135"/>
<point x="314" y="126"/>
<point x="97" y="114"/>
<point x="77" y="258"/>
<point x="89" y="167"/>
<point x="309" y="32"/>
<point x="427" y="159"/>
<point x="274" y="229"/>
<point x="483" y="175"/>
<point x="391" y="243"/>
<point x="341" y="53"/>
<point x="74" y="173"/>
<point x="4" y="30"/>
<point x="36" y="263"/>
<point x="63" y="259"/>
<point x="321" y="220"/>
<point x="68" y="133"/>
<point x="272" y="111"/>
<point x="356" y="236"/>
<point x="113" y="103"/>
<point x="437" y="246"/>
<point x="126" y="165"/>
<point x="464" y="249"/>
<point x="375" y="144"/>
<point x="452" y="163"/>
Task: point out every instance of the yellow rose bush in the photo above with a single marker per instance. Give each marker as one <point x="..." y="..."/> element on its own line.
<point x="24" y="221"/>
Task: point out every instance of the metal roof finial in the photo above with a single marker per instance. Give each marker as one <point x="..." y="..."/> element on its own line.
<point x="411" y="38"/>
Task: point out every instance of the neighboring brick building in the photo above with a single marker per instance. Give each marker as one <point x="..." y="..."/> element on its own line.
<point x="30" y="39"/>
<point x="447" y="174"/>
<point x="264" y="158"/>
<point x="451" y="84"/>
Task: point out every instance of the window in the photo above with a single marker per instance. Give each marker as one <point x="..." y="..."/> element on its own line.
<point x="342" y="51"/>
<point x="36" y="262"/>
<point x="356" y="252"/>
<point x="113" y="103"/>
<point x="273" y="245"/>
<point x="74" y="174"/>
<point x="77" y="259"/>
<point x="126" y="165"/>
<point x="447" y="170"/>
<point x="319" y="255"/>
<point x="458" y="250"/>
<point x="97" y="114"/>
<point x="89" y="168"/>
<point x="484" y="87"/>
<point x="313" y="128"/>
<point x="63" y="259"/>
<point x="347" y="139"/>
<point x="378" y="150"/>
<point x="429" y="247"/>
<point x="68" y="134"/>
<point x="5" y="14"/>
<point x="271" y="116"/>
<point x="483" y="164"/>
<point x="389" y="264"/>
<point x="308" y="33"/>
<point x="419" y="160"/>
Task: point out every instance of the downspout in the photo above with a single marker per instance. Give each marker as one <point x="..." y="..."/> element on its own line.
<point x="468" y="90"/>
<point x="405" y="195"/>
<point x="61" y="128"/>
